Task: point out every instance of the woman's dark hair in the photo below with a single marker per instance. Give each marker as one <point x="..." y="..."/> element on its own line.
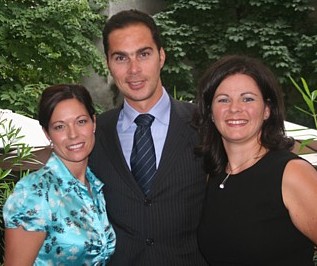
<point x="273" y="132"/>
<point x="53" y="95"/>
<point x="126" y="18"/>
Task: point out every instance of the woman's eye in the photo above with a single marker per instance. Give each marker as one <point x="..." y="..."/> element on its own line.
<point x="82" y="121"/>
<point x="58" y="127"/>
<point x="223" y="100"/>
<point x="248" y="99"/>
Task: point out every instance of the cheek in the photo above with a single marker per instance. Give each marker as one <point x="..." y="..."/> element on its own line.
<point x="89" y="134"/>
<point x="257" y="114"/>
<point x="216" y="114"/>
<point x="91" y="138"/>
<point x="117" y="72"/>
<point x="257" y="118"/>
<point x="57" y="138"/>
<point x="151" y="67"/>
<point x="92" y="141"/>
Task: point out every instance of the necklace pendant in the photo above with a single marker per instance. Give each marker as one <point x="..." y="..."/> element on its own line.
<point x="222" y="185"/>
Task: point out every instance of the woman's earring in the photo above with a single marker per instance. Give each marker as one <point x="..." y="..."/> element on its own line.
<point x="51" y="144"/>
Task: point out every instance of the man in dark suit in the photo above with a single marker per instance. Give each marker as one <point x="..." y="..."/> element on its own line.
<point x="156" y="227"/>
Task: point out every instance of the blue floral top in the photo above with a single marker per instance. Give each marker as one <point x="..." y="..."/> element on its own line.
<point x="51" y="200"/>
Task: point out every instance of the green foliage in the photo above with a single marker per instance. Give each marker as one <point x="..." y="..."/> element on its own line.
<point x="12" y="156"/>
<point x="47" y="42"/>
<point x="309" y="97"/>
<point x="183" y="95"/>
<point x="195" y="33"/>
<point x="23" y="100"/>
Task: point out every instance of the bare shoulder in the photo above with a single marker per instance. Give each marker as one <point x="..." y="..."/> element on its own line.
<point x="299" y="177"/>
<point x="299" y="170"/>
<point x="299" y="190"/>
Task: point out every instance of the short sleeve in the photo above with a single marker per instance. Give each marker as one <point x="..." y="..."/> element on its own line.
<point x="27" y="207"/>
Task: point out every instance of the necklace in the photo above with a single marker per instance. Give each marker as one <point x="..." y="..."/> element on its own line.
<point x="257" y="157"/>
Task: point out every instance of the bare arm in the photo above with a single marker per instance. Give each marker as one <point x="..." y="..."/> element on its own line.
<point x="299" y="189"/>
<point x="22" y="247"/>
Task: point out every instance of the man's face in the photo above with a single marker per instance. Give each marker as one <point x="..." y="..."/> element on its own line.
<point x="135" y="64"/>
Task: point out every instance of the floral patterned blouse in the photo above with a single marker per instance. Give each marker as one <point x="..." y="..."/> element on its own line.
<point x="52" y="200"/>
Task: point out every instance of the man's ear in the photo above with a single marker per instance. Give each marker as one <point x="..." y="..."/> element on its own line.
<point x="162" y="57"/>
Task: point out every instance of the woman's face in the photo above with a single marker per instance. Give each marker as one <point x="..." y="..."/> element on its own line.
<point x="238" y="109"/>
<point x="71" y="131"/>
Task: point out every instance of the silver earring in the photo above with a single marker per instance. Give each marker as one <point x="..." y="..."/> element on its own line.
<point x="51" y="144"/>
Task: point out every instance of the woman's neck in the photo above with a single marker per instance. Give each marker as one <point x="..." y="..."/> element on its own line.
<point x="78" y="169"/>
<point x="240" y="159"/>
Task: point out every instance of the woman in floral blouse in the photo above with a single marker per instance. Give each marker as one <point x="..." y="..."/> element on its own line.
<point x="57" y="215"/>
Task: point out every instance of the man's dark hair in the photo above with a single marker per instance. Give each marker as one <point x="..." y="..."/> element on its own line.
<point x="127" y="18"/>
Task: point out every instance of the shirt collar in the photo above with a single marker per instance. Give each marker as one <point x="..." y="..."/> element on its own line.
<point x="61" y="171"/>
<point x="161" y="111"/>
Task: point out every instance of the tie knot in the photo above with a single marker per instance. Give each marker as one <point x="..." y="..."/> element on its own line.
<point x="144" y="120"/>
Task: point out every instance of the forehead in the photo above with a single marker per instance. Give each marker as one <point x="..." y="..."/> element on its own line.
<point x="68" y="107"/>
<point x="238" y="83"/>
<point x="130" y="38"/>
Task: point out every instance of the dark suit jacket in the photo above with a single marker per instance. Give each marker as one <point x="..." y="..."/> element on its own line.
<point x="160" y="229"/>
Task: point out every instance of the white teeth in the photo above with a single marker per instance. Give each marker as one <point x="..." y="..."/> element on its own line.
<point x="236" y="122"/>
<point x="76" y="146"/>
<point x="135" y="83"/>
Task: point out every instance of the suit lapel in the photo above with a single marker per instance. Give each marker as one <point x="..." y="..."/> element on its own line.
<point x="177" y="137"/>
<point x="112" y="149"/>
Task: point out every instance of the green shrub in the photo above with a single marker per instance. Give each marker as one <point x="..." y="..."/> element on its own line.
<point x="13" y="155"/>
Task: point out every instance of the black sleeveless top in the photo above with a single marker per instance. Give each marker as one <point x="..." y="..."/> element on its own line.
<point x="246" y="223"/>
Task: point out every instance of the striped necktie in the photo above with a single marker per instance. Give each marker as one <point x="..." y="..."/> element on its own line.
<point x="143" y="160"/>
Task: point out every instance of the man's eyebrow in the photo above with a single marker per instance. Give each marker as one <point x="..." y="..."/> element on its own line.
<point x="127" y="54"/>
<point x="118" y="53"/>
<point x="144" y="48"/>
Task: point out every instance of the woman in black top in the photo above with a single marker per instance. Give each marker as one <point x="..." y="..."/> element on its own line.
<point x="260" y="206"/>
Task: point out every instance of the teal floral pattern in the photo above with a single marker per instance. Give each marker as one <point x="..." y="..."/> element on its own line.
<point x="75" y="220"/>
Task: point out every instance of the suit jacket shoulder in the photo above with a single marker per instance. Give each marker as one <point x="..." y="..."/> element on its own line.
<point x="184" y="109"/>
<point x="108" y="118"/>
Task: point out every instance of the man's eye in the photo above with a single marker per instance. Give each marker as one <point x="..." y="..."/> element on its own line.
<point x="120" y="58"/>
<point x="145" y="54"/>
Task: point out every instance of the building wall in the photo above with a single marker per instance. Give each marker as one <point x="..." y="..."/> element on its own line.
<point x="149" y="6"/>
<point x="103" y="90"/>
